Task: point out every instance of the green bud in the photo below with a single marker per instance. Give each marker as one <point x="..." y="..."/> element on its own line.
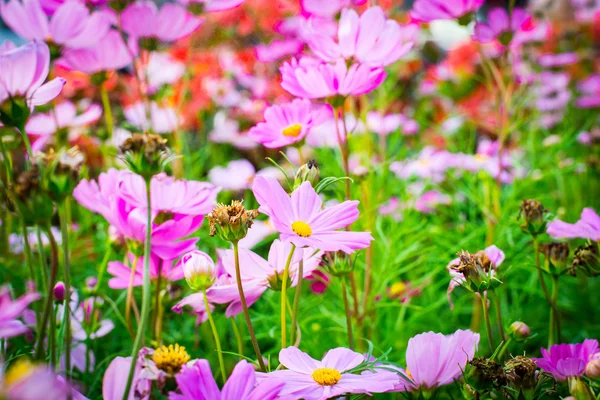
<point x="308" y="172"/>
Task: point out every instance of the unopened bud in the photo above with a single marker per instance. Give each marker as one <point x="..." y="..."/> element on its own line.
<point x="308" y="172"/>
<point x="199" y="270"/>
<point x="339" y="264"/>
<point x="520" y="329"/>
<point x="579" y="389"/>
<point x="59" y="292"/>
<point x="592" y="369"/>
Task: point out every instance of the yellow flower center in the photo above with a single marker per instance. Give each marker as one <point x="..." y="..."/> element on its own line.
<point x="292" y="130"/>
<point x="397" y="288"/>
<point x="301" y="228"/>
<point x="481" y="157"/>
<point x="18" y="371"/>
<point x="326" y="376"/>
<point x="170" y="359"/>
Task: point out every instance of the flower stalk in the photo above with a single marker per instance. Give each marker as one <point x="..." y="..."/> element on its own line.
<point x="215" y="335"/>
<point x="286" y="275"/>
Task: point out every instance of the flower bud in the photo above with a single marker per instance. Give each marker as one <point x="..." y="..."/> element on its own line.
<point x="592" y="369"/>
<point x="146" y="154"/>
<point x="534" y="217"/>
<point x="59" y="292"/>
<point x="231" y="222"/>
<point x="14" y="111"/>
<point x="276" y="282"/>
<point x="520" y="329"/>
<point x="339" y="264"/>
<point x="199" y="270"/>
<point x="579" y="389"/>
<point x="308" y="172"/>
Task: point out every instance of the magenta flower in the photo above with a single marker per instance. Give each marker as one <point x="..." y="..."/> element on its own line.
<point x="278" y="49"/>
<point x="589" y="92"/>
<point x="43" y="126"/>
<point x="71" y="26"/>
<point x="109" y="54"/>
<point x="434" y="359"/>
<point x="122" y="277"/>
<point x="370" y="39"/>
<point x="115" y="381"/>
<point x="588" y="227"/>
<point x="171" y="22"/>
<point x="500" y="26"/>
<point x="196" y="382"/>
<point x="10" y="310"/>
<point x="23" y="71"/>
<point x="300" y="220"/>
<point x="288" y="123"/>
<point x="567" y="360"/>
<point x="431" y="10"/>
<point x="311" y="379"/>
<point x="312" y="79"/>
<point x="585" y="10"/>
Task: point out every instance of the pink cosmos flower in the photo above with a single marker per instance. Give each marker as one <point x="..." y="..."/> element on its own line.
<point x="162" y="69"/>
<point x="431" y="10"/>
<point x="10" y="310"/>
<point x="64" y="116"/>
<point x="567" y="360"/>
<point x="428" y="201"/>
<point x="585" y="10"/>
<point x="226" y="130"/>
<point x="553" y="95"/>
<point x="23" y="71"/>
<point x="158" y="267"/>
<point x="327" y="9"/>
<point x="589" y="92"/>
<point x="288" y="123"/>
<point x="326" y="133"/>
<point x="588" y="227"/>
<point x="115" y="381"/>
<point x="171" y="22"/>
<point x="196" y="382"/>
<point x="434" y="359"/>
<point x="239" y="175"/>
<point x="312" y="379"/>
<point x="278" y="49"/>
<point x="370" y="39"/>
<point x="430" y="164"/>
<point x="162" y="119"/>
<point x="384" y="125"/>
<point x="300" y="220"/>
<point x="71" y="26"/>
<point x="312" y="79"/>
<point x="500" y="26"/>
<point x="109" y="54"/>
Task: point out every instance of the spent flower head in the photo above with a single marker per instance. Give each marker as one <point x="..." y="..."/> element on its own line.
<point x="521" y="372"/>
<point x="231" y="222"/>
<point x="534" y="214"/>
<point x="586" y="260"/>
<point x="61" y="171"/>
<point x="477" y="270"/>
<point x="146" y="154"/>
<point x="486" y="374"/>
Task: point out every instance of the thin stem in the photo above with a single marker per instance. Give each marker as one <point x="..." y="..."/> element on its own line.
<point x="541" y="276"/>
<point x="215" y="335"/>
<point x="130" y="297"/>
<point x="157" y="305"/>
<point x="286" y="274"/>
<point x="52" y="338"/>
<point x="108" y="118"/>
<point x="297" y="298"/>
<point x="554" y="326"/>
<point x="238" y="278"/>
<point x="103" y="266"/>
<point x="348" y="316"/>
<point x="64" y="231"/>
<point x="39" y="353"/>
<point x="27" y="143"/>
<point x="28" y="254"/>
<point x="498" y="307"/>
<point x="238" y="336"/>
<point x="146" y="296"/>
<point x="488" y="326"/>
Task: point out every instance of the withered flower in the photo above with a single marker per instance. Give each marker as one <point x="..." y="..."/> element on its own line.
<point x="477" y="270"/>
<point x="146" y="154"/>
<point x="522" y="372"/>
<point x="486" y="374"/>
<point x="534" y="217"/>
<point x="557" y="253"/>
<point x="231" y="222"/>
<point x="586" y="260"/>
<point x="61" y="171"/>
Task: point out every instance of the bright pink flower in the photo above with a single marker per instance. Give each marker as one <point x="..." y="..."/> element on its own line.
<point x="71" y="26"/>
<point x="162" y="119"/>
<point x="431" y="10"/>
<point x="109" y="54"/>
<point x="278" y="49"/>
<point x="196" y="382"/>
<point x="288" y="123"/>
<point x="567" y="360"/>
<point x="170" y="23"/>
<point x="435" y="360"/>
<point x="23" y="71"/>
<point x="589" y="92"/>
<point x="428" y="201"/>
<point x="500" y="26"/>
<point x="588" y="227"/>
<point x="64" y="116"/>
<point x="158" y="267"/>
<point x="115" y="381"/>
<point x="370" y="39"/>
<point x="314" y="79"/>
<point x="10" y="310"/>
<point x="310" y="379"/>
<point x="300" y="218"/>
<point x="237" y="175"/>
<point x="328" y="8"/>
<point x="384" y="125"/>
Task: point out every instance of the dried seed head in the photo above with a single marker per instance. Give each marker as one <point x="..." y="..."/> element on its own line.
<point x="556" y="252"/>
<point x="533" y="212"/>
<point x="586" y="260"/>
<point x="146" y="154"/>
<point x="231" y="222"/>
<point x="486" y="374"/>
<point x="522" y="372"/>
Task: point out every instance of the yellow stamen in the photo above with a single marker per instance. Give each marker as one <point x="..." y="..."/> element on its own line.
<point x="292" y="130"/>
<point x="481" y="157"/>
<point x="301" y="228"/>
<point x="326" y="376"/>
<point x="397" y="288"/>
<point x="409" y="375"/>
<point x="170" y="359"/>
<point x="18" y="371"/>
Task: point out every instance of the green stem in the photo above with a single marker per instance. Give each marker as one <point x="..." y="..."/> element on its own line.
<point x="297" y="298"/>
<point x="215" y="334"/>
<point x="39" y="353"/>
<point x="103" y="266"/>
<point x="28" y="254"/>
<point x="348" y="316"/>
<point x="42" y="257"/>
<point x="108" y="118"/>
<point x="488" y="325"/>
<point x="238" y="336"/>
<point x="498" y="307"/>
<point x="64" y="232"/>
<point x="52" y="338"/>
<point x="238" y="277"/>
<point x="554" y="328"/>
<point x="146" y="296"/>
<point x="286" y="274"/>
<point x="27" y="143"/>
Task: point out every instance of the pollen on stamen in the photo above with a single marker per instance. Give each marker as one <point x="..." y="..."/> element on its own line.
<point x="301" y="228"/>
<point x="170" y="359"/>
<point x="326" y="376"/>
<point x="292" y="130"/>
